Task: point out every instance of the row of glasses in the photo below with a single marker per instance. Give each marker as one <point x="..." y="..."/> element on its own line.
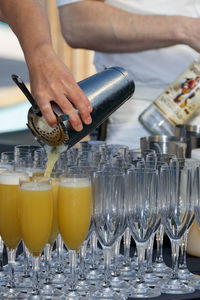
<point x="32" y="216"/>
<point x="119" y="231"/>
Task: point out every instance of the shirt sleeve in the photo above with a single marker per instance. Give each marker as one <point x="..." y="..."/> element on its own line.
<point x="65" y="2"/>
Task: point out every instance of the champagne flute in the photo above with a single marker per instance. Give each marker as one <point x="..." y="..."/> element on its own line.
<point x="74" y="215"/>
<point x="109" y="218"/>
<point x="183" y="271"/>
<point x="142" y="215"/>
<point x="48" y="288"/>
<point x="9" y="224"/>
<point x="176" y="213"/>
<point x="35" y="215"/>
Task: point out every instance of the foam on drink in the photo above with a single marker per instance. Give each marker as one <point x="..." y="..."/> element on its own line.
<point x="35" y="186"/>
<point x="11" y="178"/>
<point x="75" y="182"/>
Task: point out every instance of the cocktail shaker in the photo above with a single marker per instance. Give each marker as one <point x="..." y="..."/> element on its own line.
<point x="106" y="90"/>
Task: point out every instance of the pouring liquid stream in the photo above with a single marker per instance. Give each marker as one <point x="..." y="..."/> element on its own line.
<point x="53" y="154"/>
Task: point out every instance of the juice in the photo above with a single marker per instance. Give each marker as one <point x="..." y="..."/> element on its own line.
<point x="54" y="229"/>
<point x="53" y="156"/>
<point x="36" y="213"/>
<point x="74" y="211"/>
<point x="9" y="220"/>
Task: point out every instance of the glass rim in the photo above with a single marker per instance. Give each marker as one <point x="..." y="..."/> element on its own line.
<point x="142" y="170"/>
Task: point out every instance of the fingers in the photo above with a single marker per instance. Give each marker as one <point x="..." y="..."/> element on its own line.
<point x="78" y="100"/>
<point x="47" y="111"/>
<point x="67" y="108"/>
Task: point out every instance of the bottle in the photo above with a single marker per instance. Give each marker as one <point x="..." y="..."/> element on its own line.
<point x="176" y="105"/>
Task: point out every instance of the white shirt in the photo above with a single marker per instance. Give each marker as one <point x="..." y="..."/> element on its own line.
<point x="152" y="70"/>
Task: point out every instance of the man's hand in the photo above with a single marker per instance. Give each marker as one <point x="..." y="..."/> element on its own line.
<point x="51" y="80"/>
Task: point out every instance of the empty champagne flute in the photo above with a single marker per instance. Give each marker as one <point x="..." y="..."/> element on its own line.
<point x="176" y="212"/>
<point x="142" y="214"/>
<point x="109" y="218"/>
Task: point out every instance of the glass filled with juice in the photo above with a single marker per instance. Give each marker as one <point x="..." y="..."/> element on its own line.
<point x="36" y="215"/>
<point x="9" y="219"/>
<point x="74" y="213"/>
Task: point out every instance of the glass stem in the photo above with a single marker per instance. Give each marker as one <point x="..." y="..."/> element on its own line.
<point x="73" y="263"/>
<point x="175" y="255"/>
<point x="159" y="239"/>
<point x="107" y="261"/>
<point x="149" y="254"/>
<point x="93" y="242"/>
<point x="115" y="271"/>
<point x="59" y="250"/>
<point x="36" y="267"/>
<point x="47" y="255"/>
<point x="26" y="271"/>
<point x="183" y="246"/>
<point x="127" y="242"/>
<point x="82" y="260"/>
<point x="11" y="262"/>
<point x="141" y="255"/>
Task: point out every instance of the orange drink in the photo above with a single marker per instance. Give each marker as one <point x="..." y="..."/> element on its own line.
<point x="9" y="220"/>
<point x="36" y="213"/>
<point x="74" y="210"/>
<point x="53" y="155"/>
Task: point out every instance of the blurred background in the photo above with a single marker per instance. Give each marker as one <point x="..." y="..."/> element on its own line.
<point x="13" y="104"/>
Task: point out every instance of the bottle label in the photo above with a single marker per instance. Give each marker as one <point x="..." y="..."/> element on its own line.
<point x="182" y="98"/>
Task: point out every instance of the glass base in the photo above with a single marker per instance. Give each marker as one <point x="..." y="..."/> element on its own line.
<point x="142" y="290"/>
<point x="34" y="297"/>
<point x="185" y="274"/>
<point x="128" y="273"/>
<point x="162" y="270"/>
<point x="152" y="280"/>
<point x="119" y="285"/>
<point x="50" y="290"/>
<point x="94" y="274"/>
<point x="175" y="286"/>
<point x="58" y="280"/>
<point x="196" y="282"/>
<point x="105" y="294"/>
<point x="25" y="285"/>
<point x="83" y="287"/>
<point x="72" y="295"/>
<point x="12" y="294"/>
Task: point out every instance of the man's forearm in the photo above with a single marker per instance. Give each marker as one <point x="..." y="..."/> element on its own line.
<point x="98" y="26"/>
<point x="32" y="30"/>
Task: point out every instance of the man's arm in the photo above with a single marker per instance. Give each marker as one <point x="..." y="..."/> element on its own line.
<point x="98" y="26"/>
<point x="50" y="79"/>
